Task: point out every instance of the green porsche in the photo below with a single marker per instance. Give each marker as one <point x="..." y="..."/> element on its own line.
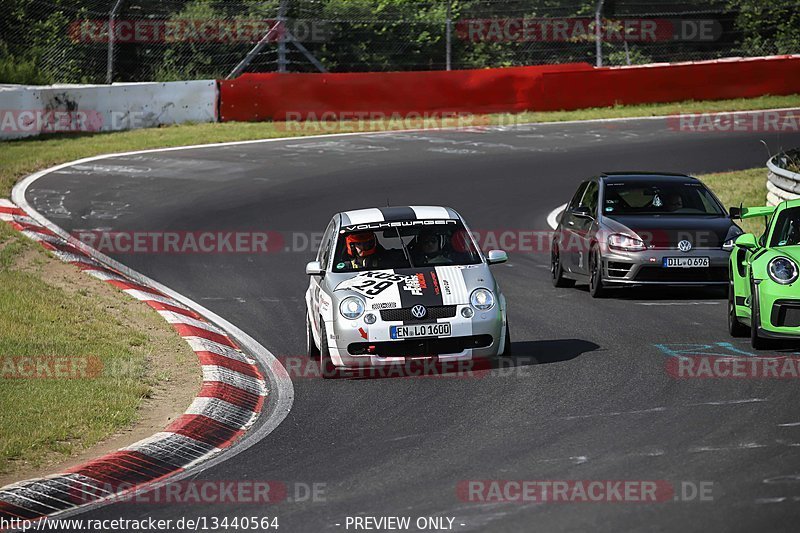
<point x="764" y="295"/>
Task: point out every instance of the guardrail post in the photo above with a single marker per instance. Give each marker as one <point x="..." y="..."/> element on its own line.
<point x="598" y="32"/>
<point x="111" y="36"/>
<point x="282" y="37"/>
<point x="448" y="36"/>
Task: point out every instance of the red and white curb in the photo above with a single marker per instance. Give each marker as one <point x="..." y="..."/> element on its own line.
<point x="230" y="400"/>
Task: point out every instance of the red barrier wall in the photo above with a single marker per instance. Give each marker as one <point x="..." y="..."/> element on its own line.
<point x="280" y="96"/>
<point x="708" y="80"/>
<point x="273" y="96"/>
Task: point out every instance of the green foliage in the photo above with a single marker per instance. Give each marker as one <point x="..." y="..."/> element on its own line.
<point x="617" y="56"/>
<point x="362" y="35"/>
<point x="771" y="27"/>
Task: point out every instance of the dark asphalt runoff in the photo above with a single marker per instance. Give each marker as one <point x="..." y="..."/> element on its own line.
<point x="586" y="396"/>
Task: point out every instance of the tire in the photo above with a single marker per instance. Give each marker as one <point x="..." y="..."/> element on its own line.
<point x="312" y="349"/>
<point x="326" y="366"/>
<point x="507" y="348"/>
<point x="757" y="342"/>
<point x="596" y="287"/>
<point x="735" y="328"/>
<point x="557" y="270"/>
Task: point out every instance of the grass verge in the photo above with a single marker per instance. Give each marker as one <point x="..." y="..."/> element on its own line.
<point x="42" y="420"/>
<point x="79" y="363"/>
<point x="746" y="187"/>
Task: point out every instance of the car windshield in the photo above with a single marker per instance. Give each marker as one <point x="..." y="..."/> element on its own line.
<point x="787" y="228"/>
<point x="660" y="198"/>
<point x="420" y="243"/>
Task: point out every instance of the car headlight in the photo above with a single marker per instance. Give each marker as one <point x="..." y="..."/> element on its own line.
<point x="782" y="270"/>
<point x="482" y="299"/>
<point x="351" y="307"/>
<point x="728" y="244"/>
<point x="626" y="243"/>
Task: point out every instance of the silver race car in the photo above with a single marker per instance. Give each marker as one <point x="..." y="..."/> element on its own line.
<point x="392" y="284"/>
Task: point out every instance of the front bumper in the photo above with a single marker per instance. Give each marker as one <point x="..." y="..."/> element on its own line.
<point x="779" y="310"/>
<point x="645" y="268"/>
<point x="354" y="343"/>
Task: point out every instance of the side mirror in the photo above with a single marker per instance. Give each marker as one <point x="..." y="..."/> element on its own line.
<point x="746" y="241"/>
<point x="736" y="212"/>
<point x="496" y="256"/>
<point x="314" y="268"/>
<point x="582" y="212"/>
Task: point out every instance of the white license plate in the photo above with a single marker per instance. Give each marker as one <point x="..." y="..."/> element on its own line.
<point x="686" y="262"/>
<point x="420" y="330"/>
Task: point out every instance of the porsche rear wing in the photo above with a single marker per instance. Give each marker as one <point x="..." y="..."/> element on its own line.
<point x="751" y="212"/>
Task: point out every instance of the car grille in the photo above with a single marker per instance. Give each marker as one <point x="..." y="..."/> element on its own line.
<point x="677" y="275"/>
<point x="420" y="347"/>
<point x="618" y="270"/>
<point x="403" y="314"/>
<point x="786" y="314"/>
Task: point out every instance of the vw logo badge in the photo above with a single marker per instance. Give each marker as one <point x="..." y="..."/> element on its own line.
<point x="684" y="246"/>
<point x="419" y="311"/>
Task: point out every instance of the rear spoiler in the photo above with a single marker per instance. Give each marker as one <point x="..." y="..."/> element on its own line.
<point x="751" y="212"/>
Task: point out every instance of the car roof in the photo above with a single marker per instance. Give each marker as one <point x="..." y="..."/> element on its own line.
<point x="397" y="214"/>
<point x="619" y="177"/>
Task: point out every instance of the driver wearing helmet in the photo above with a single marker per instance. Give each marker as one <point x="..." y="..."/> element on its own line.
<point x="363" y="250"/>
<point x="429" y="248"/>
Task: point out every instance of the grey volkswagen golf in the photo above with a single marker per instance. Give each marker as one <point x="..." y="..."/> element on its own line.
<point x="640" y="228"/>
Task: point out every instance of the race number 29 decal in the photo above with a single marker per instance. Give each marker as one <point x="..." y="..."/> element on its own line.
<point x="370" y="287"/>
<point x="371" y="284"/>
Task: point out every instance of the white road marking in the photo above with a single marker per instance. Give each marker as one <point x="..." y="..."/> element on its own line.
<point x="740" y="446"/>
<point x="618" y="413"/>
<point x="729" y="402"/>
<point x="552" y="218"/>
<point x="771" y="500"/>
<point x="677" y="303"/>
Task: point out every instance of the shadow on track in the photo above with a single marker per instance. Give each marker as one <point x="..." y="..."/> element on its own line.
<point x="525" y="353"/>
<point x="545" y="352"/>
<point x="685" y="293"/>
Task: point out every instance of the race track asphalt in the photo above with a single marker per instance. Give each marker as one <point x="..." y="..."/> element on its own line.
<point x="586" y="396"/>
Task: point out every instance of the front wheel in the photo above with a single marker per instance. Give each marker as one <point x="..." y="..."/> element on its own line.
<point x="596" y="287"/>
<point x="507" y="346"/>
<point x="311" y="348"/>
<point x="735" y="328"/>
<point x="557" y="270"/>
<point x="326" y="366"/>
<point x="756" y="341"/>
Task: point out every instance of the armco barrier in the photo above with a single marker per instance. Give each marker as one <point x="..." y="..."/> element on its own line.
<point x="782" y="184"/>
<point x="254" y="97"/>
<point x="27" y="111"/>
